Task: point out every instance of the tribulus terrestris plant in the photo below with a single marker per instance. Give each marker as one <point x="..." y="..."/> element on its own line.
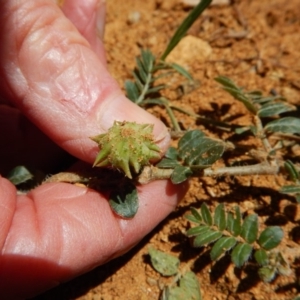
<point x="129" y="148"/>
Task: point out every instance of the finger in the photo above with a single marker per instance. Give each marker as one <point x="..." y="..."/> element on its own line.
<point x="60" y="231"/>
<point x="54" y="77"/>
<point x="89" y="18"/>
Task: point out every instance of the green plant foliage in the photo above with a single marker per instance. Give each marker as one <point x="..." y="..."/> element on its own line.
<point x="250" y="228"/>
<point x="127" y="146"/>
<point x="188" y="289"/>
<point x="292" y="170"/>
<point x="284" y="125"/>
<point x="19" y="175"/>
<point x="124" y="201"/>
<point x="293" y="190"/>
<point x="206" y="215"/>
<point x="220" y="217"/>
<point x="206" y="237"/>
<point x="185" y="25"/>
<point x="163" y="263"/>
<point x="261" y="256"/>
<point x="267" y="273"/>
<point x="181" y="174"/>
<point x="276" y="265"/>
<point x="224" y="244"/>
<point x="241" y="253"/>
<point x="229" y="232"/>
<point x="195" y="152"/>
<point x="271" y="109"/>
<point x="270" y="237"/>
<point x="237" y="92"/>
<point x="195" y="149"/>
<point x="234" y="221"/>
<point x="260" y="106"/>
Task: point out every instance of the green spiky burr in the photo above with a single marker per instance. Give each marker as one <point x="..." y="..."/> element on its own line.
<point x="126" y="146"/>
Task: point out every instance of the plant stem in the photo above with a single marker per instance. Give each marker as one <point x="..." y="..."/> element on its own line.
<point x="151" y="173"/>
<point x="261" y="135"/>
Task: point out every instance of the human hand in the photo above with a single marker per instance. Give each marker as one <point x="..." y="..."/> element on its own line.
<point x="53" y="71"/>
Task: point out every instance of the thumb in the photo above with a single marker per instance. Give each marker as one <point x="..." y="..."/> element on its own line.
<point x="53" y="76"/>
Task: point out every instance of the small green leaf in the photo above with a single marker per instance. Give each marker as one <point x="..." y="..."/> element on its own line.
<point x="290" y="189"/>
<point x="198" y="230"/>
<point x="196" y="213"/>
<point x="221" y="246"/>
<point x="250" y="228"/>
<point x="200" y="150"/>
<point x="206" y="215"/>
<point x="274" y="109"/>
<point x="148" y="60"/>
<point x="270" y="237"/>
<point x="172" y="153"/>
<point x="267" y="273"/>
<point x="168" y="163"/>
<point x="261" y="100"/>
<point x="206" y="238"/>
<point x="155" y="89"/>
<point x="291" y="169"/>
<point x="181" y="174"/>
<point x="261" y="257"/>
<point x="285" y="125"/>
<point x="19" y="175"/>
<point x="283" y="266"/>
<point x="230" y="87"/>
<point x="189" y="137"/>
<point x="141" y="70"/>
<point x="165" y="264"/>
<point x="124" y="201"/>
<point x="234" y="221"/>
<point x="182" y="71"/>
<point x="131" y="91"/>
<point x="220" y="217"/>
<point x="241" y="130"/>
<point x="188" y="289"/>
<point x="191" y="218"/>
<point x="185" y="25"/>
<point x="241" y="253"/>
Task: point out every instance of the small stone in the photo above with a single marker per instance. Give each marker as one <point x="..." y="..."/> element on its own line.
<point x="134" y="17"/>
<point x="189" y="50"/>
